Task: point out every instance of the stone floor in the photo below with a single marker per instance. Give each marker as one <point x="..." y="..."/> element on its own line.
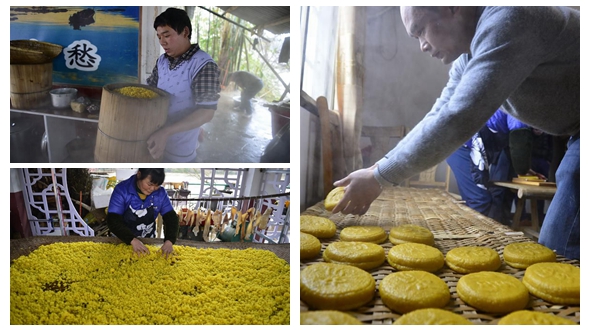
<point x="233" y="137"/>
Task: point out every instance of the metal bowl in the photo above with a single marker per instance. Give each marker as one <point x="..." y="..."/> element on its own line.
<point x="61" y="97"/>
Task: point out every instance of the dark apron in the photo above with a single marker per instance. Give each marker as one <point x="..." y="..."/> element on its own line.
<point x="142" y="222"/>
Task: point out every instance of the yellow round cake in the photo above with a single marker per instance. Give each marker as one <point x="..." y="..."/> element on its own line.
<point x="319" y="227"/>
<point x="415" y="256"/>
<point x="359" y="254"/>
<point x="411" y="233"/>
<point x="327" y="317"/>
<point x="525" y="317"/>
<point x="471" y="259"/>
<point x="554" y="282"/>
<point x="371" y="234"/>
<point x="333" y="198"/>
<point x="523" y="254"/>
<point x="330" y="286"/>
<point x="432" y="316"/>
<point x="309" y="246"/>
<point x="493" y="292"/>
<point x="410" y="290"/>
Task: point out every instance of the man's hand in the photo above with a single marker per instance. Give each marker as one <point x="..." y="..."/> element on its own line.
<point x="139" y="248"/>
<point x="361" y="190"/>
<point x="157" y="143"/>
<point x="167" y="249"/>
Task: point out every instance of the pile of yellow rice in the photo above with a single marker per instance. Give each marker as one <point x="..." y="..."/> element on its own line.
<point x="137" y="92"/>
<point x="100" y="283"/>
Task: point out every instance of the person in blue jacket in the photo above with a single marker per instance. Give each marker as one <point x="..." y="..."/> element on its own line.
<point x="498" y="152"/>
<point x="134" y="206"/>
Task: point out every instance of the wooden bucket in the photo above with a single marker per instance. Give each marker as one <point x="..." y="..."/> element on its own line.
<point x="30" y="85"/>
<point x="125" y="123"/>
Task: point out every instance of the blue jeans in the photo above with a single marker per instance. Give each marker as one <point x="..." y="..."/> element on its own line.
<point x="475" y="197"/>
<point x="561" y="228"/>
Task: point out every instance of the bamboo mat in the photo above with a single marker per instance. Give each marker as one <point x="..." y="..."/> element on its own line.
<point x="453" y="225"/>
<point x="24" y="246"/>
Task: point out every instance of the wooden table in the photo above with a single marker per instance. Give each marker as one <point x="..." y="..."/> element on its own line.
<point x="532" y="193"/>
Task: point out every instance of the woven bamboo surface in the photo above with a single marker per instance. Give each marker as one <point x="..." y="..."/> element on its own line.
<point x="33" y="51"/>
<point x="453" y="225"/>
<point x="24" y="246"/>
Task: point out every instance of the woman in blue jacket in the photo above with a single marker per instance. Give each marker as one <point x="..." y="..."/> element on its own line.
<point x="134" y="206"/>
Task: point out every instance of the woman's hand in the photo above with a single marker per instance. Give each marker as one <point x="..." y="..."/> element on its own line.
<point x="139" y="248"/>
<point x="361" y="190"/>
<point x="157" y="143"/>
<point x="167" y="249"/>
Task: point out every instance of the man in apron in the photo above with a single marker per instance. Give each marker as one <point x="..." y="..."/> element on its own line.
<point x="192" y="78"/>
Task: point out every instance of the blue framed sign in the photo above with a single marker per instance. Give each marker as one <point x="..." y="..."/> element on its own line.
<point x="100" y="44"/>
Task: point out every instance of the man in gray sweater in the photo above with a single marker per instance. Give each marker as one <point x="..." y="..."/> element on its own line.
<point x="525" y="60"/>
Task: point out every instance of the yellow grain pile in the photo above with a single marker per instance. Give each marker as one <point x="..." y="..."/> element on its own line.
<point x="99" y="283"/>
<point x="137" y="92"/>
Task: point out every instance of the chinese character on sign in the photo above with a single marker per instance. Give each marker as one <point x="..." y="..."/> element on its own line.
<point x="81" y="55"/>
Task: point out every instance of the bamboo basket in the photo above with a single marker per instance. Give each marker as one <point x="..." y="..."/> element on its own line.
<point x="33" y="52"/>
<point x="30" y="85"/>
<point x="125" y="123"/>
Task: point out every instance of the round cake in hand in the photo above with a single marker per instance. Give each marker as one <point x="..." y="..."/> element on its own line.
<point x="333" y="198"/>
<point x="410" y="290"/>
<point x="525" y="317"/>
<point x="523" y="254"/>
<point x="411" y="234"/>
<point x="319" y="227"/>
<point x="371" y="234"/>
<point x="330" y="286"/>
<point x="493" y="292"/>
<point x="327" y="317"/>
<point x="554" y="282"/>
<point x="432" y="316"/>
<point x="359" y="254"/>
<point x="415" y="256"/>
<point x="309" y="246"/>
<point x="471" y="259"/>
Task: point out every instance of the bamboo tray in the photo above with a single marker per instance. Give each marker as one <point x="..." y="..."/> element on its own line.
<point x="453" y="225"/>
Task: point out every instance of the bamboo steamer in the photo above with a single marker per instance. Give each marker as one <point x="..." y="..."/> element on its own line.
<point x="125" y="123"/>
<point x="30" y="85"/>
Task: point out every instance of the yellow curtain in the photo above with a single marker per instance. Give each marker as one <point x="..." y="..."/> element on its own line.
<point x="349" y="81"/>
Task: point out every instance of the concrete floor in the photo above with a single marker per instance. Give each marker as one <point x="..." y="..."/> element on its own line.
<point x="232" y="137"/>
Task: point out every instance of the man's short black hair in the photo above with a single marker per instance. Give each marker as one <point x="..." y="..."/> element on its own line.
<point x="157" y="175"/>
<point x="175" y="18"/>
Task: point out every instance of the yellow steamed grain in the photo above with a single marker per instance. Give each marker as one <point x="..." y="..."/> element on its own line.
<point x="137" y="92"/>
<point x="98" y="283"/>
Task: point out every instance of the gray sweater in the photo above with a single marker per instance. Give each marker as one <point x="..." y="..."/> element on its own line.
<point x="523" y="59"/>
